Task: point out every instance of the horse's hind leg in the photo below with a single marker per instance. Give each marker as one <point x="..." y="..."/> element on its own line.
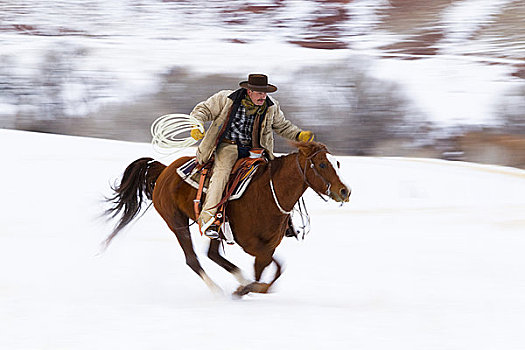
<point x="261" y="262"/>
<point x="215" y="255"/>
<point x="179" y="226"/>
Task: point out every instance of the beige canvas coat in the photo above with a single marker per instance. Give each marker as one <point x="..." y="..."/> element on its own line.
<point x="216" y="110"/>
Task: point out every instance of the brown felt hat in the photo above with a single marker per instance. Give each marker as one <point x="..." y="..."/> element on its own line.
<point x="258" y="82"/>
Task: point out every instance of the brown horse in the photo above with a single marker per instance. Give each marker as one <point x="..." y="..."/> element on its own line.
<point x="258" y="219"/>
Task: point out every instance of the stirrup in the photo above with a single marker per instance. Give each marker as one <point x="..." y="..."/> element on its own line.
<point x="210" y="228"/>
<point x="212" y="232"/>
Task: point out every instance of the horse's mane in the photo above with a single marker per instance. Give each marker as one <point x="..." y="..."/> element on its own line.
<point x="307" y="148"/>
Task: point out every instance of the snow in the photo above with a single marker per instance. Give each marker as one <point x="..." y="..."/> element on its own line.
<point x="428" y="254"/>
<point x="470" y="99"/>
<point x="463" y="18"/>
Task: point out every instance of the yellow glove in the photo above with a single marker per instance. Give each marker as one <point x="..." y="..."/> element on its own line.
<point x="196" y="134"/>
<point x="305" y="136"/>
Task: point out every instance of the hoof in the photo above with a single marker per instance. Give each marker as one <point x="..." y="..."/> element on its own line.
<point x="242" y="290"/>
<point x="254" y="287"/>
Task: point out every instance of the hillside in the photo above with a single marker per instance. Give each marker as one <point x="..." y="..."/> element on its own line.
<point x="101" y="69"/>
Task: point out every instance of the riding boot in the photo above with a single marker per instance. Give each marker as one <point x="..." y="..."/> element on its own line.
<point x="207" y="224"/>
<point x="290" y="230"/>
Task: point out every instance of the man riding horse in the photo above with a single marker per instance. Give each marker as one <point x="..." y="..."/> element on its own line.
<point x="242" y="123"/>
<point x="240" y="120"/>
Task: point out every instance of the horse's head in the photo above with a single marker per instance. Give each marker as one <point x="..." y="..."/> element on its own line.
<point x="321" y="171"/>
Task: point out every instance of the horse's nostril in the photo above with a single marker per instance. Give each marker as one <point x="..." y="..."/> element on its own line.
<point x="344" y="192"/>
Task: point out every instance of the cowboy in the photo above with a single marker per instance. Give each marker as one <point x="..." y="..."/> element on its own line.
<point x="240" y="120"/>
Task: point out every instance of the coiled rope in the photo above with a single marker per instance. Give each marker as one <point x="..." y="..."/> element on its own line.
<point x="168" y="132"/>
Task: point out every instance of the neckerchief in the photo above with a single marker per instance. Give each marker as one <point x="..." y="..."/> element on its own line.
<point x="252" y="108"/>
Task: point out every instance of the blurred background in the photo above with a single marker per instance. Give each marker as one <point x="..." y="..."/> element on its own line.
<point x="440" y="78"/>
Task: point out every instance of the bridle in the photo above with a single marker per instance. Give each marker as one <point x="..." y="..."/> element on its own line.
<point x="305" y="180"/>
<point x="312" y="166"/>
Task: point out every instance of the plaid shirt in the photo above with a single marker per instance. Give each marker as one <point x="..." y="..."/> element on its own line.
<point x="241" y="127"/>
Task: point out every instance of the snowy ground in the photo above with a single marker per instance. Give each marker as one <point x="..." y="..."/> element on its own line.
<point x="428" y="255"/>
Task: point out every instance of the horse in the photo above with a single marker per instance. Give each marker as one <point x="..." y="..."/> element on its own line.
<point x="258" y="219"/>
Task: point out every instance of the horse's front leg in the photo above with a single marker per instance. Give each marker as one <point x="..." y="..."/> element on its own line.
<point x="215" y="256"/>
<point x="261" y="262"/>
<point x="179" y="225"/>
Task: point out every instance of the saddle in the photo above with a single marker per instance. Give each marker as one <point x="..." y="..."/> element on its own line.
<point x="242" y="172"/>
<point x="240" y="177"/>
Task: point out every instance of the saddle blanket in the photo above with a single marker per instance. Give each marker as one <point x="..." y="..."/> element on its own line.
<point x="191" y="176"/>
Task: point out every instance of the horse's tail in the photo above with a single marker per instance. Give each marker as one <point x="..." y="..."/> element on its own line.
<point x="136" y="186"/>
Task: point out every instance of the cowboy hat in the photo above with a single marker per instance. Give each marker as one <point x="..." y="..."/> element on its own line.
<point x="258" y="82"/>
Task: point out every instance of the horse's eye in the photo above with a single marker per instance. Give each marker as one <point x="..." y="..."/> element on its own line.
<point x="322" y="165"/>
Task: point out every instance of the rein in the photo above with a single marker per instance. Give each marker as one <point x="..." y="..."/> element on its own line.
<point x="312" y="166"/>
<point x="276" y="201"/>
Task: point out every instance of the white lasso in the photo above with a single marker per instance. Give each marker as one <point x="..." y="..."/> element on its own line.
<point x="167" y="130"/>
